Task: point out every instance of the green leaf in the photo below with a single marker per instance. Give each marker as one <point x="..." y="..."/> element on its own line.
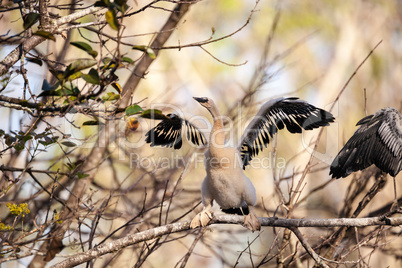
<point x="93" y="53"/>
<point x="70" y="166"/>
<point x="26" y="138"/>
<point x="58" y="74"/>
<point x="92" y="77"/>
<point x="41" y="135"/>
<point x="69" y="143"/>
<point x="127" y="59"/>
<point x="68" y="91"/>
<point x="100" y="4"/>
<point x="92" y="123"/>
<point x="141" y="48"/>
<point x="123" y="7"/>
<point x="111" y="19"/>
<point x="46" y="35"/>
<point x="153" y="114"/>
<point x="106" y="60"/>
<point x="34" y="60"/>
<point x="151" y="53"/>
<point x="133" y="109"/>
<point x="74" y="76"/>
<point x="20" y="134"/>
<point x="82" y="45"/>
<point x="19" y="146"/>
<point x="86" y="47"/>
<point x="62" y="90"/>
<point x="148" y="50"/>
<point x="47" y="140"/>
<point x="110" y="96"/>
<point x="82" y="175"/>
<point x="30" y="19"/>
<point x="9" y="139"/>
<point x="78" y="65"/>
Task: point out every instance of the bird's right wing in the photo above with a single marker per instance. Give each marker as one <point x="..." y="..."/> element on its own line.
<point x="169" y="132"/>
<point x="377" y="141"/>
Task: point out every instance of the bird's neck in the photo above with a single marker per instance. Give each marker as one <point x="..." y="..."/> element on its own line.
<point x="217" y="138"/>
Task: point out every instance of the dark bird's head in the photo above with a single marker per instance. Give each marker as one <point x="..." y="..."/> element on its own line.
<point x="204" y="101"/>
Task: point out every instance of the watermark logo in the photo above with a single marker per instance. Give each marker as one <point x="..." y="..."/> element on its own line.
<point x="173" y="160"/>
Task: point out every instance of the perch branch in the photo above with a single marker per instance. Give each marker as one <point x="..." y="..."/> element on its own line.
<point x="116" y="245"/>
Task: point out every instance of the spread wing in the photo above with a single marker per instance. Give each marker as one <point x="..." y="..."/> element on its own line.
<point x="377" y="141"/>
<point x="274" y="115"/>
<point x="169" y="132"/>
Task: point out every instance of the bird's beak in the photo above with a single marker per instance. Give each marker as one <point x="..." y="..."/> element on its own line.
<point x="200" y="100"/>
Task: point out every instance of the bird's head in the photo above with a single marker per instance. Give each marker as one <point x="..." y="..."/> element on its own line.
<point x="204" y="101"/>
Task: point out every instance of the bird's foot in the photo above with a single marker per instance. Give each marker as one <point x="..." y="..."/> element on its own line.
<point x="251" y="222"/>
<point x="202" y="219"/>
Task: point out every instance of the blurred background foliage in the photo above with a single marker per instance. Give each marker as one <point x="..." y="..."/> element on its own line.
<point x="311" y="53"/>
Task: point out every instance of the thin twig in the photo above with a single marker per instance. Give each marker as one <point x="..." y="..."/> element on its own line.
<point x="308" y="248"/>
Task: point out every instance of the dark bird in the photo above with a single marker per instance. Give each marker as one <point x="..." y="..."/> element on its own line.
<point x="225" y="181"/>
<point x="377" y="141"/>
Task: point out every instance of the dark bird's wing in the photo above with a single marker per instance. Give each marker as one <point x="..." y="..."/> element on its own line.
<point x="293" y="113"/>
<point x="168" y="133"/>
<point x="377" y="141"/>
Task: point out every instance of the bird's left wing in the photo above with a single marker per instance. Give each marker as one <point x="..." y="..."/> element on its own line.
<point x="274" y="115"/>
<point x="169" y="132"/>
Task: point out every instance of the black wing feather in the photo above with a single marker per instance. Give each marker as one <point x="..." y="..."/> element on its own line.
<point x="295" y="114"/>
<point x="377" y="141"/>
<point x="168" y="133"/>
<point x="194" y="135"/>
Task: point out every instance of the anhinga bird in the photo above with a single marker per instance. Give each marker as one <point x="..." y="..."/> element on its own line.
<point x="377" y="141"/>
<point x="225" y="181"/>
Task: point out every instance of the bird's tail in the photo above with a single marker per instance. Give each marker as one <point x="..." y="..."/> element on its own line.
<point x="238" y="211"/>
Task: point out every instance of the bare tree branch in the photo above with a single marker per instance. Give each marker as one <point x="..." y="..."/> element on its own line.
<point x="110" y="193"/>
<point x="142" y="67"/>
<point x="219" y="219"/>
<point x="308" y="248"/>
<point x="35" y="40"/>
<point x="98" y="153"/>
